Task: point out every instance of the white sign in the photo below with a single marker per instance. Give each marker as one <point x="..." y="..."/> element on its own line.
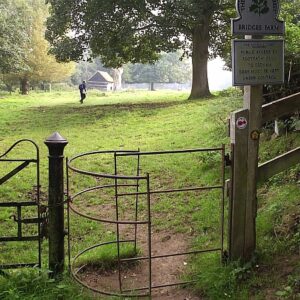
<point x="258" y="62"/>
<point x="241" y="123"/>
<point x="257" y="17"/>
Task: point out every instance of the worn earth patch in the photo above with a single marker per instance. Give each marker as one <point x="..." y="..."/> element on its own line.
<point x="164" y="270"/>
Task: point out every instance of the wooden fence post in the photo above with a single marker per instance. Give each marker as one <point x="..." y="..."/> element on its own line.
<point x="243" y="204"/>
<point x="238" y="193"/>
<point x="253" y="100"/>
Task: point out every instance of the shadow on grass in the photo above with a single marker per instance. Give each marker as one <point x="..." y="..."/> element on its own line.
<point x="83" y="108"/>
<point x="67" y="116"/>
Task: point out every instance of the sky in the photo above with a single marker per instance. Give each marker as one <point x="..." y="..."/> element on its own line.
<point x="218" y="78"/>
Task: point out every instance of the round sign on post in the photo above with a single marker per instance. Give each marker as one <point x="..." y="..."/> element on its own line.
<point x="241" y="123"/>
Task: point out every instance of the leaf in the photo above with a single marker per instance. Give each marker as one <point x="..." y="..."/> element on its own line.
<point x="61" y="286"/>
<point x="288" y="289"/>
<point x="253" y="7"/>
<point x="280" y="293"/>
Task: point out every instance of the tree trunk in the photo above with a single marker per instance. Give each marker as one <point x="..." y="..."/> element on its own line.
<point x="117" y="76"/>
<point x="151" y="87"/>
<point x="24" y="86"/>
<point x="200" y="41"/>
<point x="9" y="88"/>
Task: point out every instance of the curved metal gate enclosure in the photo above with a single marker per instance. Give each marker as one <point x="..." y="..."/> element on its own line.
<point x="136" y="186"/>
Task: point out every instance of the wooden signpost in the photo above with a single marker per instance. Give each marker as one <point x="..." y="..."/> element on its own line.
<point x="255" y="62"/>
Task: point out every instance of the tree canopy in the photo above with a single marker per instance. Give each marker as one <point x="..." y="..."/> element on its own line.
<point x="137" y="31"/>
<point x="169" y="69"/>
<point x="290" y="13"/>
<point x="13" y="36"/>
<point x="36" y="64"/>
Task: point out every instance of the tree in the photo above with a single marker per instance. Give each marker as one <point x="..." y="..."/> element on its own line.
<point x="137" y="31"/>
<point x="290" y="13"/>
<point x="39" y="65"/>
<point x="142" y="73"/>
<point x="117" y="76"/>
<point x="169" y="69"/>
<point x="13" y="36"/>
<point x="44" y="67"/>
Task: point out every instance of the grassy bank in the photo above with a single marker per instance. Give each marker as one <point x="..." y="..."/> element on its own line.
<point x="153" y="121"/>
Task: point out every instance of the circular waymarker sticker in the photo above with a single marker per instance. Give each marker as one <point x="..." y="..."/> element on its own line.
<point x="241" y="123"/>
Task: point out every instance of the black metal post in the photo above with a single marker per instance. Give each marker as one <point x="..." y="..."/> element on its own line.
<point x="56" y="144"/>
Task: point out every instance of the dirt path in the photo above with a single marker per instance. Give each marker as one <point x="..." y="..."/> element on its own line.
<point x="164" y="270"/>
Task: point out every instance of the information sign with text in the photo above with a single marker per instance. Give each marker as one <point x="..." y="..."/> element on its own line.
<point x="258" y="62"/>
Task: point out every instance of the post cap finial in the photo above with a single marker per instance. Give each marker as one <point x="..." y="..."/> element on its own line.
<point x="56" y="138"/>
<point x="56" y="144"/>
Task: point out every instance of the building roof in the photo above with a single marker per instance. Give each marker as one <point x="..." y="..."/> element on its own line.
<point x="101" y="76"/>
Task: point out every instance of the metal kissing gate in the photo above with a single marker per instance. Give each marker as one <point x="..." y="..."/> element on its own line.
<point x="19" y="206"/>
<point x="137" y="188"/>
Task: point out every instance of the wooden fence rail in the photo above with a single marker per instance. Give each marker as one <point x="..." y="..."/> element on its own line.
<point x="280" y="108"/>
<point x="278" y="164"/>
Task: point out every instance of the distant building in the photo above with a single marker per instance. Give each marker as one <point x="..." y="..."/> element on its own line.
<point x="101" y="81"/>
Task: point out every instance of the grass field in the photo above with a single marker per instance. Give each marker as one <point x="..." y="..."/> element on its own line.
<point x="150" y="121"/>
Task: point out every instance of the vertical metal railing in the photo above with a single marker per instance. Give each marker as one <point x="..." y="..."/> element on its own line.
<point x="149" y="234"/>
<point x="117" y="221"/>
<point x="222" y="208"/>
<point x="136" y="202"/>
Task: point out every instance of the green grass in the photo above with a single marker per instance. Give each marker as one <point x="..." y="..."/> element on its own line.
<point x="35" y="284"/>
<point x="146" y="121"/>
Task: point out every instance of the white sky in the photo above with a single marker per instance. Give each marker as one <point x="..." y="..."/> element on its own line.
<point x="218" y="78"/>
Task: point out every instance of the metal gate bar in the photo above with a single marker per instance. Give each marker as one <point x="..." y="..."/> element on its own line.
<point x="174" y="190"/>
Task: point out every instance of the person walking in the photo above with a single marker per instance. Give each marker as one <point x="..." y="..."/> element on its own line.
<point x="82" y="89"/>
